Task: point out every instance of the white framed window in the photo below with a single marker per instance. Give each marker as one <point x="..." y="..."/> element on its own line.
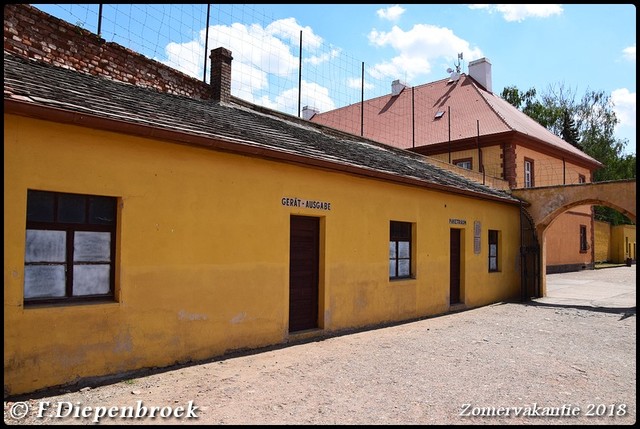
<point x="400" y="250"/>
<point x="69" y="248"/>
<point x="528" y="173"/>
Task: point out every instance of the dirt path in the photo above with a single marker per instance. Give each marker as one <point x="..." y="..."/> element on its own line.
<point x="526" y="358"/>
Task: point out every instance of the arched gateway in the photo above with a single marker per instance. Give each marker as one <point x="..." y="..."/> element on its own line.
<point x="542" y="205"/>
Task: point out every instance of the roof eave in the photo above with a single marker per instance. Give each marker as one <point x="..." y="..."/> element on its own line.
<point x="29" y="109"/>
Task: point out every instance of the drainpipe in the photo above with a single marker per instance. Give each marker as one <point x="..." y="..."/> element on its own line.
<point x="523" y="265"/>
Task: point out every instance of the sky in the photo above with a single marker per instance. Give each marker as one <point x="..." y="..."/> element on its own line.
<point x="350" y="51"/>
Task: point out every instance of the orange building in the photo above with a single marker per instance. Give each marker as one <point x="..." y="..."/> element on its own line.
<point x="460" y="121"/>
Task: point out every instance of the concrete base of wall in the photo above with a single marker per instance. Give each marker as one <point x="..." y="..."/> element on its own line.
<point x="554" y="269"/>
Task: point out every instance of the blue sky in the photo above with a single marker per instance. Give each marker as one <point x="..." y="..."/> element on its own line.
<point x="573" y="47"/>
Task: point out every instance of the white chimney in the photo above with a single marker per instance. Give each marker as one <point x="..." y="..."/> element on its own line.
<point x="309" y="112"/>
<point x="397" y="86"/>
<point x="480" y="71"/>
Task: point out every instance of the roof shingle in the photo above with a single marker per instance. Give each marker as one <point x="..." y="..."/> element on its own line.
<point x="34" y="83"/>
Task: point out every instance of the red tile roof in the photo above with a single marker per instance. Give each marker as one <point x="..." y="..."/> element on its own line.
<point x="468" y="109"/>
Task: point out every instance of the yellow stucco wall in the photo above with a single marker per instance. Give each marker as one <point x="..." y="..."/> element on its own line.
<point x="491" y="159"/>
<point x="563" y="235"/>
<point x="203" y="248"/>
<point x="548" y="170"/>
<point x="602" y="241"/>
<point x="623" y="243"/>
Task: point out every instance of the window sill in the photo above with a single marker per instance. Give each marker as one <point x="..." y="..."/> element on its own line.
<point x="399" y="279"/>
<point x="37" y="305"/>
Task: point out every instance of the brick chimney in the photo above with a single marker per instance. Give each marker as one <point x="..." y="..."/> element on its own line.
<point x="221" y="74"/>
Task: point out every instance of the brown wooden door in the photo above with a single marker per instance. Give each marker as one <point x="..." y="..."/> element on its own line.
<point x="303" y="273"/>
<point x="454" y="267"/>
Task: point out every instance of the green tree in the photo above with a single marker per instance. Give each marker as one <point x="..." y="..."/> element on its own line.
<point x="588" y="124"/>
<point x="569" y="130"/>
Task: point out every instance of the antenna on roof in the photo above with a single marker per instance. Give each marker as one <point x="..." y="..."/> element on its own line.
<point x="458" y="65"/>
<point x="455" y="75"/>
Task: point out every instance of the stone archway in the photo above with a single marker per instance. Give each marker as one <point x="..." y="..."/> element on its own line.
<point x="545" y="204"/>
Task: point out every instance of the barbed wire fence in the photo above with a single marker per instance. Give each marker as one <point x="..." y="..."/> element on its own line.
<point x="277" y="62"/>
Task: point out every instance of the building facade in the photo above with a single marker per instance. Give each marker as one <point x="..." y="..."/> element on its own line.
<point x="460" y="121"/>
<point x="615" y="243"/>
<point x="147" y="226"/>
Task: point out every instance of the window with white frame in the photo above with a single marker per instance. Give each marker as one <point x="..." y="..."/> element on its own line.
<point x="400" y="248"/>
<point x="528" y="173"/>
<point x="69" y="247"/>
<point x="465" y="163"/>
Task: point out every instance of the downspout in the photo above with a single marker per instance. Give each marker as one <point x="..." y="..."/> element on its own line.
<point x="523" y="262"/>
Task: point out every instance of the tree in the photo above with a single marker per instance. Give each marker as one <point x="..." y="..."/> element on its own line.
<point x="569" y="130"/>
<point x="588" y="124"/>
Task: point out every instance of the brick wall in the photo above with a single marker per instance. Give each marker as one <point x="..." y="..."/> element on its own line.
<point x="32" y="33"/>
<point x="509" y="164"/>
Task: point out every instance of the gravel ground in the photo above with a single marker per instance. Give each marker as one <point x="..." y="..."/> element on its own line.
<point x="507" y="363"/>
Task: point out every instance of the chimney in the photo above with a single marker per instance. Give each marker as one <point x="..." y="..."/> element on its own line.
<point x="480" y="71"/>
<point x="397" y="86"/>
<point x="309" y="112"/>
<point x="221" y="74"/>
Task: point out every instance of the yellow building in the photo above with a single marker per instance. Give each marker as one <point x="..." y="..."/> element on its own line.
<point x="615" y="244"/>
<point x="144" y="228"/>
<point x="623" y="243"/>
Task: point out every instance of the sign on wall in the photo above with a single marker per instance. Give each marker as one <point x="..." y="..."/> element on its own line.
<point x="301" y="202"/>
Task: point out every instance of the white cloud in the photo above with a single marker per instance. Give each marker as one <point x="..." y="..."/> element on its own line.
<point x="260" y="55"/>
<point x="289" y="29"/>
<point x="417" y="49"/>
<point x="520" y="12"/>
<point x="392" y="13"/>
<point x="630" y="53"/>
<point x="356" y="83"/>
<point x="624" y="106"/>
<point x="312" y="95"/>
<point x="322" y="58"/>
<point x="624" y="103"/>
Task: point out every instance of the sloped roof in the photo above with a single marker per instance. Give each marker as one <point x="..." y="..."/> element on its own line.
<point x="42" y="90"/>
<point x="409" y="119"/>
